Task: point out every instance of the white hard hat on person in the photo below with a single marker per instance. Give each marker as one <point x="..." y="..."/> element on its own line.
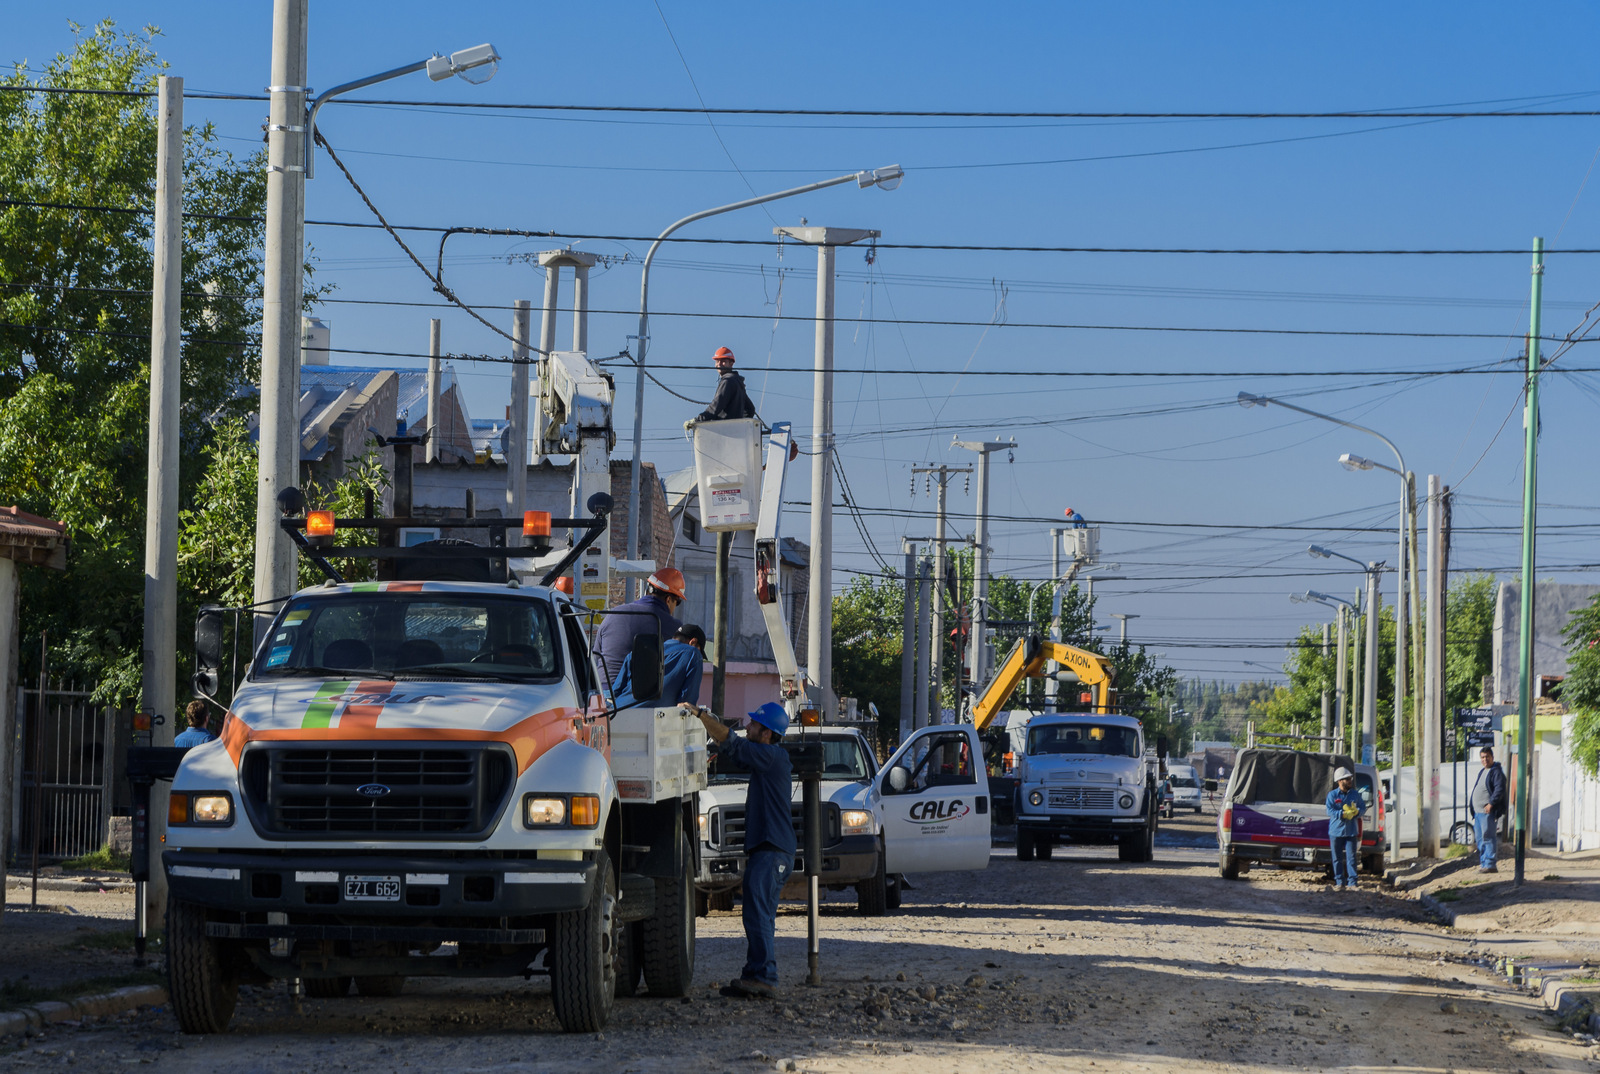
<point x="1341" y="774"/>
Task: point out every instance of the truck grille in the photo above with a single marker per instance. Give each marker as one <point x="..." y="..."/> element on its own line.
<point x="1081" y="798"/>
<point x="727" y="826"/>
<point x="312" y="793"/>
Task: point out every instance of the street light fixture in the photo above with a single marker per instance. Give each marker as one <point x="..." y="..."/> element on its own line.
<point x="1369" y="713"/>
<point x="886" y="178"/>
<point x="469" y="65"/>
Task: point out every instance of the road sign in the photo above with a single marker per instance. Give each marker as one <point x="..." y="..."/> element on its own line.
<point x="1479" y="739"/>
<point x="1477" y="719"/>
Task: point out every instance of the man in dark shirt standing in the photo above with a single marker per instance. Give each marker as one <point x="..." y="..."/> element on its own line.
<point x="769" y="842"/>
<point x="664" y="593"/>
<point x="730" y="399"/>
<point x="1488" y="806"/>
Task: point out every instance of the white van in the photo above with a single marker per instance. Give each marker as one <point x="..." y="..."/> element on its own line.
<point x="1185" y="787"/>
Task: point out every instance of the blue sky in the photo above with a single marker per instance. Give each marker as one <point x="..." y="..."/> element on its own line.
<point x="1120" y="450"/>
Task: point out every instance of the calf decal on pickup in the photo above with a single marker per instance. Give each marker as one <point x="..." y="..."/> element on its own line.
<point x="937" y="813"/>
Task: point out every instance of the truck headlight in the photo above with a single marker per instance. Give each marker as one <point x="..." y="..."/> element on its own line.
<point x="705" y="827"/>
<point x="1126" y="801"/>
<point x="212" y="807"/>
<point x="542" y="812"/>
<point x="1036" y="798"/>
<point x="855" y="822"/>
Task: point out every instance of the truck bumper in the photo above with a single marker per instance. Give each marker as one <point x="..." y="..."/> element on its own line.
<point x="1087" y="828"/>
<point x="426" y="887"/>
<point x="851" y="860"/>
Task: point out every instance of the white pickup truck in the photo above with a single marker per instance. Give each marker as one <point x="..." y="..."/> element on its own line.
<point x="1085" y="779"/>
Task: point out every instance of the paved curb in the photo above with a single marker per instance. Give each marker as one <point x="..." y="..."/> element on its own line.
<point x="1565" y="1000"/>
<point x="1438" y="909"/>
<point x="101" y="1006"/>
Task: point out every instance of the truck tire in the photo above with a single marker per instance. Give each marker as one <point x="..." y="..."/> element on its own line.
<point x="582" y="957"/>
<point x="1044" y="847"/>
<point x="1227" y="865"/>
<point x="630" y="971"/>
<point x="891" y="892"/>
<point x="1127" y="847"/>
<point x="1025" y="845"/>
<point x="872" y="894"/>
<point x="381" y="987"/>
<point x="203" y="990"/>
<point x="327" y="987"/>
<point x="666" y="950"/>
<point x="721" y="900"/>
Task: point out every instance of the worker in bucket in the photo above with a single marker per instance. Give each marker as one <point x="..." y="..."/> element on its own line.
<point x="769" y="843"/>
<point x="730" y="399"/>
<point x="650" y="614"/>
<point x="1344" y="805"/>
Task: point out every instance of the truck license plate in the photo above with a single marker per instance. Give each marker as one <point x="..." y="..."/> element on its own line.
<point x="1296" y="853"/>
<point x="372" y="889"/>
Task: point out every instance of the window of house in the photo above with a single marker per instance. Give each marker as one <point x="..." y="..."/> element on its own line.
<point x="691" y="528"/>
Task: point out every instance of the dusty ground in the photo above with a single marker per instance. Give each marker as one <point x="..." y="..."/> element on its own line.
<point x="1080" y="963"/>
<point x="1559" y="898"/>
<point x="74" y="936"/>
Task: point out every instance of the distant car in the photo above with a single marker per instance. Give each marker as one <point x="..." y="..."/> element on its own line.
<point x="1185" y="787"/>
<point x="1274" y="812"/>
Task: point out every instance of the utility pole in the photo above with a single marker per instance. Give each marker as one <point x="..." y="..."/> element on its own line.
<point x="279" y="449"/>
<point x="1342" y="662"/>
<point x="1327" y="705"/>
<point x="819" y="611"/>
<point x="980" y="555"/>
<point x="1052" y="687"/>
<point x="1369" y="708"/>
<point x="919" y="671"/>
<point x="908" y="627"/>
<point x="517" y="425"/>
<point x="1356" y="690"/>
<point x="719" y="620"/>
<point x="161" y="480"/>
<point x="434" y="351"/>
<point x="1530" y="490"/>
<point x="1432" y="711"/>
<point x="941" y="476"/>
<point x="1124" y="617"/>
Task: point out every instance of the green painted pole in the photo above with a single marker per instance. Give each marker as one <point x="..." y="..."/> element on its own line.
<point x="1530" y="488"/>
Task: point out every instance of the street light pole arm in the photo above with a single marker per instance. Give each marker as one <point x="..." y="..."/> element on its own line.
<point x="345" y="87"/>
<point x="1337" y="421"/>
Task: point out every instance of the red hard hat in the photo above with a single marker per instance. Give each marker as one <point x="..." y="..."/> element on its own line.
<point x="668" y="580"/>
<point x="722" y="352"/>
<point x="564" y="584"/>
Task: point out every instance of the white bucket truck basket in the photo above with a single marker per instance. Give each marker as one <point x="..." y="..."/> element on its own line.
<point x="657" y="754"/>
<point x="1081" y="543"/>
<point x="727" y="467"/>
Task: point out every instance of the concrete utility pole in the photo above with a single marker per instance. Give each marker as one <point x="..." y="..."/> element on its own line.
<point x="941" y="476"/>
<point x="919" y="672"/>
<point x="1327" y="707"/>
<point x="517" y="423"/>
<point x="161" y="474"/>
<point x="1432" y="712"/>
<point x="1341" y="663"/>
<point x="279" y="449"/>
<point x="719" y="621"/>
<point x="1369" y="713"/>
<point x="819" y="610"/>
<point x="1356" y="690"/>
<point x="1530" y="491"/>
<point x="434" y="352"/>
<point x="908" y="628"/>
<point x="977" y="651"/>
<point x="1124" y="617"/>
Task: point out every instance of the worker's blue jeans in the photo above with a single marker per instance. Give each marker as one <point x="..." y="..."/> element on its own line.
<point x="764" y="875"/>
<point x="1488" y="836"/>
<point x="1344" y="859"/>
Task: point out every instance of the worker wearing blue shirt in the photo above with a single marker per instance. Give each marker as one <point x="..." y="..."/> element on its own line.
<point x="768" y="837"/>
<point x="682" y="669"/>
<point x="198" y="733"/>
<point x="1344" y="805"/>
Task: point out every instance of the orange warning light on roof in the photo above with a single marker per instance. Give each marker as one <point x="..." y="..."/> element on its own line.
<point x="319" y="524"/>
<point x="536" y="523"/>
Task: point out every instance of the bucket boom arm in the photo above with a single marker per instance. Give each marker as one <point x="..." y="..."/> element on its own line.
<point x="769" y="564"/>
<point x="1027" y="660"/>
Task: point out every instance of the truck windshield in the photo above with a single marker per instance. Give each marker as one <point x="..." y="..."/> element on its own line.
<point x="842" y="759"/>
<point x="414" y="635"/>
<point x="1082" y="738"/>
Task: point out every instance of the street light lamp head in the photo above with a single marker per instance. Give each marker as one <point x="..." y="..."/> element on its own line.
<point x="1247" y="400"/>
<point x="1298" y="598"/>
<point x="1320" y="552"/>
<point x="882" y="178"/>
<point x="1355" y="462"/>
<point x="476" y="65"/>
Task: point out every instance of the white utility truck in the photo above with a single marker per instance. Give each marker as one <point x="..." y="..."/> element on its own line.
<point x="420" y="776"/>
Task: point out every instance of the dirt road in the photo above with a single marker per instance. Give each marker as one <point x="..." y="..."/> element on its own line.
<point x="1079" y="963"/>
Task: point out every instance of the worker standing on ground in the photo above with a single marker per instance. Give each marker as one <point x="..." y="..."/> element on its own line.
<point x="730" y="399"/>
<point x="1488" y="806"/>
<point x="769" y="842"/>
<point x="1344" y="828"/>
<point x="650" y="614"/>
<point x="682" y="669"/>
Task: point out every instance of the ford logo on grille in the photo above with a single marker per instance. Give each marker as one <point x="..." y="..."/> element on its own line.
<point x="372" y="790"/>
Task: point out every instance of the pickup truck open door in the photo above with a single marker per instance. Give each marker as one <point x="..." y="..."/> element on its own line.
<point x="936" y="802"/>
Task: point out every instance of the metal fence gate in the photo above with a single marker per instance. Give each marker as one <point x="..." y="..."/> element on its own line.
<point x="65" y="773"/>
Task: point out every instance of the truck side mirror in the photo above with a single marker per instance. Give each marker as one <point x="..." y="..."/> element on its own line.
<point x="208" y="631"/>
<point x="899" y="779"/>
<point x="646" y="656"/>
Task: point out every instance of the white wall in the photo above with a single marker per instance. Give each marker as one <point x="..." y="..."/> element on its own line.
<point x="1578" y="827"/>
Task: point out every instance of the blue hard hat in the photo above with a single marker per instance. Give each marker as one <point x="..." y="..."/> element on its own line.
<point x="773" y="717"/>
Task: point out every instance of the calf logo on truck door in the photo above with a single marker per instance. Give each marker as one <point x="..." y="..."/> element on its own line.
<point x="936" y="814"/>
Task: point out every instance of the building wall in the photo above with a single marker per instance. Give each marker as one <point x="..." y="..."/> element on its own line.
<point x="1553" y="605"/>
<point x="373" y="411"/>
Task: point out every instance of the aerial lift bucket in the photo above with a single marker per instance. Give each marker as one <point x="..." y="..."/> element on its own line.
<point x="727" y="467"/>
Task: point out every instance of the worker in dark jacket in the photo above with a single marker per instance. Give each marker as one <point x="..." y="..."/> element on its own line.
<point x="682" y="669"/>
<point x="1344" y="805"/>
<point x="730" y="399"/>
<point x="650" y="614"/>
<point x="1489" y="800"/>
<point x="769" y="842"/>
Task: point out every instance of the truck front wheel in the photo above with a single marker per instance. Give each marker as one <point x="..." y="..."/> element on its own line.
<point x="1025" y="845"/>
<point x="583" y="957"/>
<point x="667" y="947"/>
<point x="203" y="988"/>
<point x="872" y="894"/>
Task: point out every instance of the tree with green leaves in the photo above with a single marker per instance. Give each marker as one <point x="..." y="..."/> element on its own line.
<point x="1580" y="690"/>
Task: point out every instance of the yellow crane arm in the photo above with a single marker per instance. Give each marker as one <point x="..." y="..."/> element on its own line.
<point x="1027" y="659"/>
